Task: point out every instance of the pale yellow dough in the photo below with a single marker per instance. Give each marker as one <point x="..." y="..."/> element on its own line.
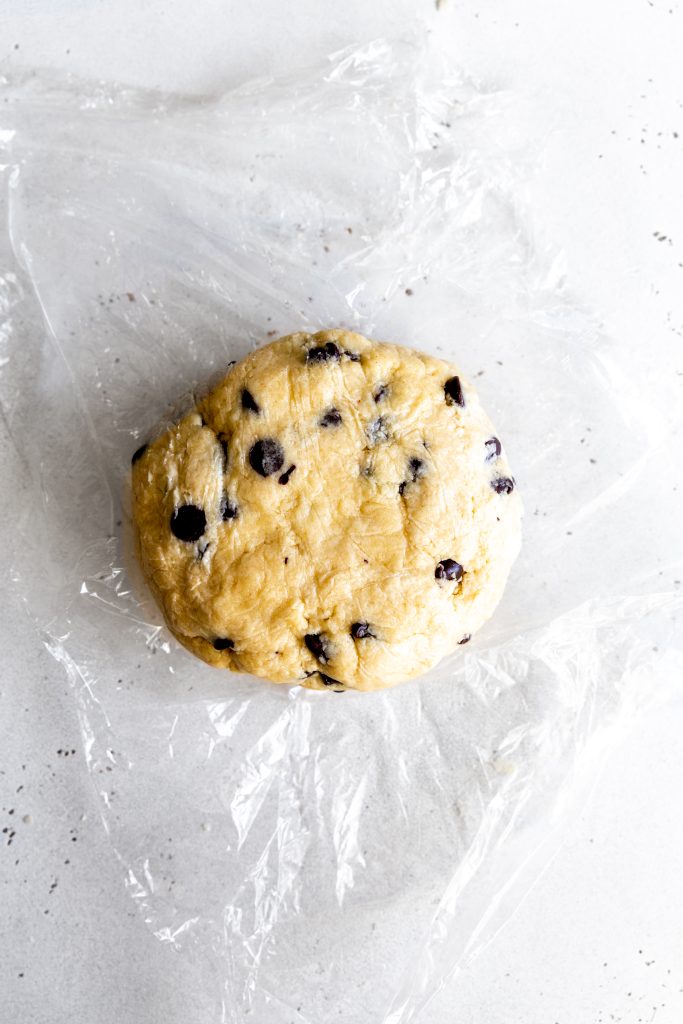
<point x="354" y="535"/>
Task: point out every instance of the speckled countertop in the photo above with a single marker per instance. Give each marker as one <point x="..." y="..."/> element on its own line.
<point x="599" y="938"/>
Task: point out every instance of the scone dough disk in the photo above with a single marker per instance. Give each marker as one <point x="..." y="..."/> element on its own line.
<point x="337" y="513"/>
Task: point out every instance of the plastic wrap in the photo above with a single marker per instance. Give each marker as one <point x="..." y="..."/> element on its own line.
<point x="327" y="859"/>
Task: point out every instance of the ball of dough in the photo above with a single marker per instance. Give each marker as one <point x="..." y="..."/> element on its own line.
<point x="337" y="513"/>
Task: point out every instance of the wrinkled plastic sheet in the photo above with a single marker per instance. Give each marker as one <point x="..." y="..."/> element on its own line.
<point x="326" y="858"/>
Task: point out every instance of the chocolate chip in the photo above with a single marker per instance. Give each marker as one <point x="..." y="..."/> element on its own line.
<point x="378" y="430"/>
<point x="361" y="631"/>
<point x="284" y="479"/>
<point x="188" y="523"/>
<point x="503" y="484"/>
<point x="223" y="644"/>
<point x="138" y="453"/>
<point x="323" y="353"/>
<point x="228" y="509"/>
<point x="249" y="403"/>
<point x="331" y="418"/>
<point x="416" y="469"/>
<point x="353" y="357"/>
<point x="318" y="646"/>
<point x="381" y="393"/>
<point x="266" y="456"/>
<point x="329" y="681"/>
<point x="466" y="639"/>
<point x="493" y="449"/>
<point x="453" y="390"/>
<point x="448" y="569"/>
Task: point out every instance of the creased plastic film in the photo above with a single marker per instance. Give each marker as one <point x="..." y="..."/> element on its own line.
<point x="328" y="858"/>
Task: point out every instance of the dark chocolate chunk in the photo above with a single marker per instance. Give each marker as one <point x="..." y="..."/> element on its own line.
<point x="416" y="469"/>
<point x="249" y="403"/>
<point x="318" y="646"/>
<point x="266" y="456"/>
<point x="378" y="430"/>
<point x="466" y="639"/>
<point x="448" y="569"/>
<point x="188" y="523"/>
<point x="138" y="453"/>
<point x="229" y="509"/>
<point x="223" y="644"/>
<point x="329" y="681"/>
<point x="284" y="479"/>
<point x="323" y="353"/>
<point x="453" y="390"/>
<point x="493" y="449"/>
<point x="381" y="393"/>
<point x="331" y="418"/>
<point x="361" y="630"/>
<point x="503" y="484"/>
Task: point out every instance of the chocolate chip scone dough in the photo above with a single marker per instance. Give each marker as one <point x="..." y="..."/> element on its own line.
<point x="336" y="513"/>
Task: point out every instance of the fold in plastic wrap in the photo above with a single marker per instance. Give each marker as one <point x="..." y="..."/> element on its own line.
<point x="328" y="858"/>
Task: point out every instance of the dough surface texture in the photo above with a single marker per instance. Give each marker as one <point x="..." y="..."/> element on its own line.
<point x="337" y="513"/>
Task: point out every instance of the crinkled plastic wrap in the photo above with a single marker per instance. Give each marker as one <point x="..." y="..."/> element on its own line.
<point x="328" y="858"/>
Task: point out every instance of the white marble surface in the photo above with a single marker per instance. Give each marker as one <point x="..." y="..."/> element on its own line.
<point x="599" y="938"/>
